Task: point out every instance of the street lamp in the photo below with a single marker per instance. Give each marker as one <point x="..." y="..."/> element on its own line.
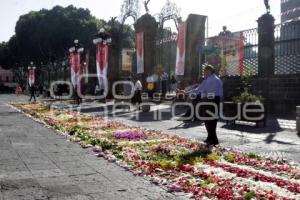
<point x="75" y="52"/>
<point x="76" y="48"/>
<point x="75" y="62"/>
<point x="102" y="41"/>
<point x="102" y="38"/>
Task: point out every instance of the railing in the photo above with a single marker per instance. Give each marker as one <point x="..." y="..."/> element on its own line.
<point x="238" y="52"/>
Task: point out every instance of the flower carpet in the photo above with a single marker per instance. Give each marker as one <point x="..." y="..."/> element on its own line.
<point x="176" y="163"/>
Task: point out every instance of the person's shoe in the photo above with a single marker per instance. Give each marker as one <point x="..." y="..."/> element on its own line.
<point x="210" y="143"/>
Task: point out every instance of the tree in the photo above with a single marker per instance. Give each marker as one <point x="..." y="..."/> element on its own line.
<point x="46" y="35"/>
<point x="50" y="33"/>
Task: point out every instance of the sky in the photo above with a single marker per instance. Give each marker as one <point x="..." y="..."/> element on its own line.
<point x="237" y="15"/>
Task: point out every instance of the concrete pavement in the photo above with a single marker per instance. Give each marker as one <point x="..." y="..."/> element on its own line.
<point x="36" y="163"/>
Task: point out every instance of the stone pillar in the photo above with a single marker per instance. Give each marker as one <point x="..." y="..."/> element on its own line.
<point x="195" y="40"/>
<point x="148" y="25"/>
<point x="266" y="46"/>
<point x="113" y="73"/>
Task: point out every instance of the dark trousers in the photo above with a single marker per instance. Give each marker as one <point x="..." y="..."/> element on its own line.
<point x="211" y="124"/>
<point x="137" y="98"/>
<point x="164" y="87"/>
<point x="77" y="98"/>
<point x="32" y="95"/>
<point x="194" y="103"/>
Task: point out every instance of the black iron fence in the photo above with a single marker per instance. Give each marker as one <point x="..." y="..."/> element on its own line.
<point x="236" y="53"/>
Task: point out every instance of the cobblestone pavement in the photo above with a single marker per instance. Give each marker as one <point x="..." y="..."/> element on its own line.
<point x="36" y="163"/>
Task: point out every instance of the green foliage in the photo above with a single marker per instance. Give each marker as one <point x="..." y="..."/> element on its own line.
<point x="118" y="154"/>
<point x="106" y="145"/>
<point x="166" y="164"/>
<point x="213" y="157"/>
<point x="254" y="156"/>
<point x="250" y="195"/>
<point x="247" y="97"/>
<point x="46" y="35"/>
<point x="76" y="130"/>
<point x="94" y="141"/>
<point x="193" y="157"/>
<point x="229" y="157"/>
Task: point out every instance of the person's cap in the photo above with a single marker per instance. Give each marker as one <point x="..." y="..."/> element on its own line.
<point x="209" y="67"/>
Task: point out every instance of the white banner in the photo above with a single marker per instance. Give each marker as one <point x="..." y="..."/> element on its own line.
<point x="140" y="52"/>
<point x="181" y="49"/>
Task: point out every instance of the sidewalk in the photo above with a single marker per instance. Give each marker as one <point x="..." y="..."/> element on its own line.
<point x="36" y="163"/>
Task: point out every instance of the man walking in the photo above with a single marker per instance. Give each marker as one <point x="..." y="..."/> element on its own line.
<point x="211" y="90"/>
<point x="212" y="93"/>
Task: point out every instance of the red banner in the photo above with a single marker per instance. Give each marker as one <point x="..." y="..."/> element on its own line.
<point x="140" y="52"/>
<point x="241" y="53"/>
<point x="31" y="76"/>
<point x="102" y="59"/>
<point x="102" y="63"/>
<point x="75" y="68"/>
<point x="181" y="49"/>
<point x="86" y="67"/>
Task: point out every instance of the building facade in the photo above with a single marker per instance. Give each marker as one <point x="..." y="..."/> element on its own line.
<point x="290" y="10"/>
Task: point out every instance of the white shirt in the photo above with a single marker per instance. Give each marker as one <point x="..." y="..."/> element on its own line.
<point x="164" y="76"/>
<point x="138" y="85"/>
<point x="211" y="86"/>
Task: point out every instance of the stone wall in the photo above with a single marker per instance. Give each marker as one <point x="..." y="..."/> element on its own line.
<point x="282" y="93"/>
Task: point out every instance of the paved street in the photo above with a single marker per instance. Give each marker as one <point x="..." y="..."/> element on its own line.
<point x="36" y="163"/>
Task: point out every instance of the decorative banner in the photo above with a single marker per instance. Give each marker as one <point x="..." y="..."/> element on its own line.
<point x="31" y="76"/>
<point x="127" y="55"/>
<point x="75" y="68"/>
<point x="181" y="49"/>
<point x="140" y="52"/>
<point x="102" y="61"/>
<point x="86" y="67"/>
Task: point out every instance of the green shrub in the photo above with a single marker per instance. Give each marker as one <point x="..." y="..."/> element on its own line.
<point x="247" y="97"/>
<point x="106" y="145"/>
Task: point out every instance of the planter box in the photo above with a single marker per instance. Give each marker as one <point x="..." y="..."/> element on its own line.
<point x="231" y="109"/>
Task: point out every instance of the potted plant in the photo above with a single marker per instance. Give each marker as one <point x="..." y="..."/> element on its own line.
<point x="246" y="101"/>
